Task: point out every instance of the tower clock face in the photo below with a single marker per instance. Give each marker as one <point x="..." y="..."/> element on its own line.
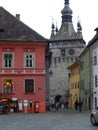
<point x="71" y="51"/>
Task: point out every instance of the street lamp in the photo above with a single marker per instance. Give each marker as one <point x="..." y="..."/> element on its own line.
<point x="50" y="73"/>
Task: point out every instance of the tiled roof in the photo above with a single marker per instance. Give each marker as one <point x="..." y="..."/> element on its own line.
<point x="12" y="29"/>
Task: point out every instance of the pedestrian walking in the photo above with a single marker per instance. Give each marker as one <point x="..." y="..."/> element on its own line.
<point x="52" y="104"/>
<point x="80" y="106"/>
<point x="66" y="103"/>
<point x="57" y="105"/>
<point x="76" y="105"/>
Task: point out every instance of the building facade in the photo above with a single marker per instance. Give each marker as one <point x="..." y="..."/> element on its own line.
<point x="86" y="78"/>
<point x="22" y="65"/>
<point x="93" y="45"/>
<point x="74" y="83"/>
<point x="66" y="45"/>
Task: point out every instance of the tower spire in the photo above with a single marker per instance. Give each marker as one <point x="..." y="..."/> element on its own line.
<point x="66" y="12"/>
<point x="56" y="29"/>
<point x="66" y="30"/>
<point x="79" y="27"/>
<point x="53" y="29"/>
<point x="66" y="1"/>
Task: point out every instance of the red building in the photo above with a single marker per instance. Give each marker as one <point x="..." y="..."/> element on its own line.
<point x="22" y="65"/>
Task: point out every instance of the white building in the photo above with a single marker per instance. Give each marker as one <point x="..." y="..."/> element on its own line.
<point x="94" y="54"/>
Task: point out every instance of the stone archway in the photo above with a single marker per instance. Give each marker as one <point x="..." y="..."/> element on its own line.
<point x="57" y="98"/>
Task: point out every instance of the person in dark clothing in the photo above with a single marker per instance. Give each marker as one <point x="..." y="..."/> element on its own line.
<point x="66" y="104"/>
<point x="4" y="108"/>
<point x="57" y="105"/>
<point x="80" y="106"/>
<point x="76" y="105"/>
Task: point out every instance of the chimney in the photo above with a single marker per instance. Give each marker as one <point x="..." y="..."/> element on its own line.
<point x="18" y="16"/>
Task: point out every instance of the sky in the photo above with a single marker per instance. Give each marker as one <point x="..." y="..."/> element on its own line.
<point x="38" y="14"/>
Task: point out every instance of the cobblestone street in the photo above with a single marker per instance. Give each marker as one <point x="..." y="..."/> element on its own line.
<point x="62" y="120"/>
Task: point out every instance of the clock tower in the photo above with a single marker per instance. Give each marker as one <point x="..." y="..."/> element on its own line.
<point x="66" y="45"/>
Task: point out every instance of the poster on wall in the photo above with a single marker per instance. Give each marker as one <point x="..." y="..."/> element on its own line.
<point x="26" y="103"/>
<point x="20" y="106"/>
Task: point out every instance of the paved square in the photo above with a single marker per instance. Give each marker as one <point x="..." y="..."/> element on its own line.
<point x="56" y="120"/>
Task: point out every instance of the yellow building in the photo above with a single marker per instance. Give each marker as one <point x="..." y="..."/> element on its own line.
<point x="74" y="83"/>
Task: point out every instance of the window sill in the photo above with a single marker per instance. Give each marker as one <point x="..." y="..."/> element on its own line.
<point x="29" y="93"/>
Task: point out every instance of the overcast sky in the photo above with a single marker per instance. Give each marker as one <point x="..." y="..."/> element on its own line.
<point x="38" y="14"/>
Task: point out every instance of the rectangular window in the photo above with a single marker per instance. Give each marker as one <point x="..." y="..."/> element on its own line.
<point x="29" y="60"/>
<point x="63" y="52"/>
<point x="95" y="60"/>
<point x="29" y="85"/>
<point x="8" y="85"/>
<point x="8" y="60"/>
<point x="96" y="82"/>
<point x="95" y="101"/>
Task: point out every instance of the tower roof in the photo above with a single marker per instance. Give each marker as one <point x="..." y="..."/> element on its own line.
<point x="67" y="31"/>
<point x="66" y="12"/>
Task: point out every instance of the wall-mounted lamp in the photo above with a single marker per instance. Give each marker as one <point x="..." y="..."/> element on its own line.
<point x="50" y="73"/>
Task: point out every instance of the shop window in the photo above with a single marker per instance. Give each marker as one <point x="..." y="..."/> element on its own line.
<point x="29" y="60"/>
<point x="8" y="60"/>
<point x="29" y="85"/>
<point x="8" y="85"/>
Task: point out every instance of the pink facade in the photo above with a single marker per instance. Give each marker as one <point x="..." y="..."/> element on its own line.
<point x="22" y="74"/>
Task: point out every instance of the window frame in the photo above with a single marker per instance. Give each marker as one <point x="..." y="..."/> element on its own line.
<point x="63" y="52"/>
<point x="95" y="60"/>
<point x="96" y="81"/>
<point x="33" y="60"/>
<point x="29" y="86"/>
<point x="11" y="64"/>
<point x="8" y="79"/>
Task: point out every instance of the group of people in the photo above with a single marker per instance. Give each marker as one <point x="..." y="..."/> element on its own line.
<point x="58" y="105"/>
<point x="78" y="105"/>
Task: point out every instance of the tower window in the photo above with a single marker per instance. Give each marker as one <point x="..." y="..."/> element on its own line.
<point x="63" y="52"/>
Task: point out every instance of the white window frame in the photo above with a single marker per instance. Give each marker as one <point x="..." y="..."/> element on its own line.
<point x="8" y="64"/>
<point x="31" y="60"/>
